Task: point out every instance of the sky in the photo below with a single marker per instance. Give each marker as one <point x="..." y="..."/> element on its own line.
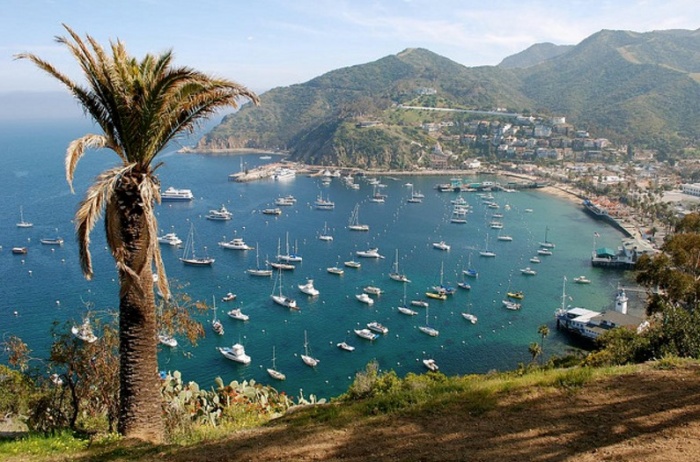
<point x="264" y="44"/>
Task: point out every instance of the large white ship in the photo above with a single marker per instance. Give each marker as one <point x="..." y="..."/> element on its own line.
<point x="171" y="194"/>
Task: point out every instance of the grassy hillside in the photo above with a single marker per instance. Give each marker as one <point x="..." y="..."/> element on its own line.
<point x="643" y="412"/>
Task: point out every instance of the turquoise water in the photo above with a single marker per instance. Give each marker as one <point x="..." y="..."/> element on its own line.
<point x="46" y="284"/>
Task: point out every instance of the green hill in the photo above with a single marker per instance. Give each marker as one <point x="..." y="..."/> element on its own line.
<point x="625" y="86"/>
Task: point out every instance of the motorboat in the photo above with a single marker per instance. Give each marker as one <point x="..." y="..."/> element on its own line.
<point x="237" y="243"/>
<point x="511" y="305"/>
<point x="272" y="211"/>
<point x="372" y="290"/>
<point x="544" y="251"/>
<point x="170" y="239"/>
<point x="219" y="215"/>
<point x="421" y="303"/>
<point x="528" y="271"/>
<point x="19" y="250"/>
<point x="535" y="259"/>
<point x="369" y="253"/>
<point x="84" y="331"/>
<point x="306" y="357"/>
<point x="236" y="353"/>
<point x="176" y="195"/>
<point x="496" y="225"/>
<point x="345" y="346"/>
<point x="582" y="280"/>
<point x="518" y="295"/>
<point x="469" y="317"/>
<point x="431" y="365"/>
<point x="441" y="245"/>
<point x="364" y="298"/>
<point x="504" y="237"/>
<point x="309" y="288"/>
<point x="238" y="314"/>
<point x="366" y="334"/>
<point x="167" y="340"/>
<point x="284" y="173"/>
<point x="285" y="201"/>
<point x="229" y="297"/>
<point x="377" y="327"/>
<point x="436" y="295"/>
<point x="352" y="264"/>
<point x="335" y="270"/>
<point x="52" y="241"/>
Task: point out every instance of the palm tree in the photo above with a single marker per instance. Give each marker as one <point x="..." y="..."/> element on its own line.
<point x="139" y="106"/>
<point x="543" y="330"/>
<point x="535" y="350"/>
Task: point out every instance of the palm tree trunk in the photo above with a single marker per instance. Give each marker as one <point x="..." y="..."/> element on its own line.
<point x="140" y="400"/>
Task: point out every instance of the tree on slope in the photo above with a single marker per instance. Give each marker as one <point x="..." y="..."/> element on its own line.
<point x="139" y="107"/>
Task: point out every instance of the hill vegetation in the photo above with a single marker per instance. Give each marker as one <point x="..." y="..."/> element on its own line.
<point x="629" y="87"/>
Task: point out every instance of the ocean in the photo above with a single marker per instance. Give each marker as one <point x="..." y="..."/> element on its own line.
<point x="46" y="284"/>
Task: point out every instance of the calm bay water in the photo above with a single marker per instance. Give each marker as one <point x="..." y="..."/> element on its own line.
<point x="46" y="284"/>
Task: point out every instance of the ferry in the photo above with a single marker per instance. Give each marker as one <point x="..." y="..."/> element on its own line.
<point x="176" y="195"/>
<point x="284" y="174"/>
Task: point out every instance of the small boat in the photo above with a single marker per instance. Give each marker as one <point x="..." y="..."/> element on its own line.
<point x="257" y="271"/>
<point x="364" y="298"/>
<point x="170" y="239"/>
<point x="345" y="346"/>
<point x="19" y="250"/>
<point x="431" y="365"/>
<point x="546" y="244"/>
<point x="441" y="245"/>
<point x="469" y="271"/>
<point x="354" y="223"/>
<point x="511" y="305"/>
<point x="486" y="252"/>
<point x="236" y="353"/>
<point x="421" y="303"/>
<point x="369" y="253"/>
<point x="285" y="201"/>
<point x="528" y="271"/>
<point x="308" y="359"/>
<point x="219" y="215"/>
<point x="518" y="295"/>
<point x="469" y="317"/>
<point x="353" y="264"/>
<point x="407" y="311"/>
<point x="236" y="243"/>
<point x="278" y="265"/>
<point x="52" y="241"/>
<point x="238" y="315"/>
<point x="188" y="254"/>
<point x="528" y="210"/>
<point x="464" y="285"/>
<point x="22" y="223"/>
<point x="167" y="340"/>
<point x="504" y="237"/>
<point x="395" y="274"/>
<point x="229" y="297"/>
<point x="324" y="236"/>
<point x="335" y="270"/>
<point x="323" y="204"/>
<point x="436" y="295"/>
<point x="309" y="288"/>
<point x="496" y="225"/>
<point x="544" y="251"/>
<point x="582" y="280"/>
<point x="535" y="259"/>
<point x="366" y="334"/>
<point x="272" y="211"/>
<point x="377" y="327"/>
<point x="176" y="195"/>
<point x="288" y="257"/>
<point x="280" y="299"/>
<point x="372" y="290"/>
<point x="84" y="331"/>
<point x="216" y="325"/>
<point x="274" y="373"/>
<point x="427" y="329"/>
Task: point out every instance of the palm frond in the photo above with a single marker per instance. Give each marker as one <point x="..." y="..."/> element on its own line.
<point x="76" y="150"/>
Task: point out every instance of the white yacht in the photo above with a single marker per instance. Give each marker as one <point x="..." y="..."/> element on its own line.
<point x="366" y="334"/>
<point x="167" y="340"/>
<point x="377" y="327"/>
<point x="176" y="195"/>
<point x="441" y="245"/>
<point x="309" y="288"/>
<point x="284" y="173"/>
<point x="235" y="353"/>
<point x="285" y="201"/>
<point x="364" y="298"/>
<point x="528" y="271"/>
<point x="431" y="365"/>
<point x="582" y="280"/>
<point x="170" y="239"/>
<point x="369" y="253"/>
<point x="238" y="314"/>
<point x="345" y="346"/>
<point x="407" y="311"/>
<point x="236" y="243"/>
<point x="220" y="215"/>
<point x="469" y="317"/>
<point x="84" y="331"/>
<point x="372" y="290"/>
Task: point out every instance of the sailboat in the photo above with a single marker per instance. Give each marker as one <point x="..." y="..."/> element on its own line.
<point x="215" y="322"/>
<point x="546" y="244"/>
<point x="278" y="265"/>
<point x="308" y="360"/>
<point x="279" y="298"/>
<point x="427" y="329"/>
<point x="274" y="373"/>
<point x="441" y="292"/>
<point x="404" y="309"/>
<point x="469" y="317"/>
<point x="257" y="271"/>
<point x="164" y="337"/>
<point x="84" y="331"/>
<point x="470" y="272"/>
<point x="22" y="223"/>
<point x="486" y="252"/>
<point x="354" y="223"/>
<point x="188" y="254"/>
<point x="395" y="274"/>
<point x="289" y="257"/>
<point x="414" y="198"/>
<point x="324" y="236"/>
